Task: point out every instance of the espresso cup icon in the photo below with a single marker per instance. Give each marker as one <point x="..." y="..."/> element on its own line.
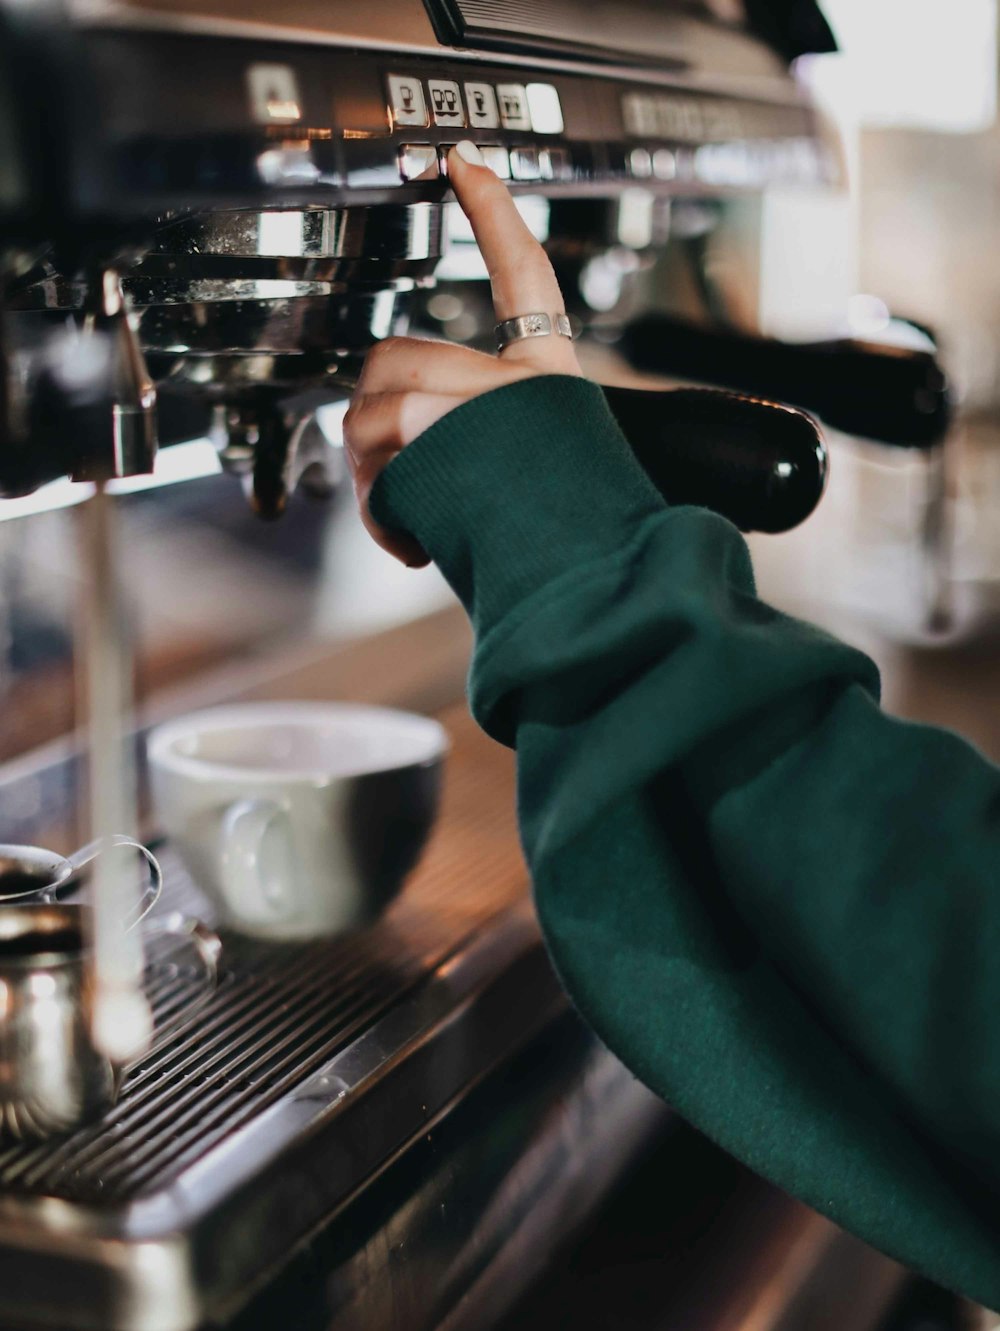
<point x="406" y="95"/>
<point x="445" y="101"/>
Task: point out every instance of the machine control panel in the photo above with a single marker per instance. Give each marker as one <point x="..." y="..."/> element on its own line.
<point x="534" y="107"/>
<point x="233" y="119"/>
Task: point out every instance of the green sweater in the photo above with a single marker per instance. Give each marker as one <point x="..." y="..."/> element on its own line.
<point x="779" y="906"/>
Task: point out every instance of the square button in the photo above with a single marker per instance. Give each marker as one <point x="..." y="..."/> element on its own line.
<point x="496" y="159"/>
<point x="544" y="108"/>
<point x="274" y="94"/>
<point x="406" y="95"/>
<point x="482" y="103"/>
<point x="513" y="99"/>
<point x="525" y="164"/>
<point x="640" y="163"/>
<point x="446" y="102"/>
<point x="556" y="164"/>
<point x="415" y="159"/>
<point x="664" y="164"/>
<point x="639" y="113"/>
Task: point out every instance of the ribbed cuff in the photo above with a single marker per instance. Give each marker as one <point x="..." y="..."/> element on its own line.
<point x="515" y="488"/>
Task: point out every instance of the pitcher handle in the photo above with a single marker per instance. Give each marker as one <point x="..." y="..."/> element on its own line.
<point x="86" y="854"/>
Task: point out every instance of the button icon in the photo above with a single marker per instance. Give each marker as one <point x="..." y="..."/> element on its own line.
<point x="513" y="101"/>
<point x="446" y="101"/>
<point x="406" y="96"/>
<point x="482" y="103"/>
<point x="274" y="94"/>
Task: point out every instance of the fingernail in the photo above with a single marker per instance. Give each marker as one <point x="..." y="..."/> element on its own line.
<point x="468" y="152"/>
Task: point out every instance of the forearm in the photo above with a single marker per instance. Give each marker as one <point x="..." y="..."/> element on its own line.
<point x="706" y="794"/>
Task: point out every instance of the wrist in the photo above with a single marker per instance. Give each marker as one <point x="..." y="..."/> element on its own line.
<point x="515" y="488"/>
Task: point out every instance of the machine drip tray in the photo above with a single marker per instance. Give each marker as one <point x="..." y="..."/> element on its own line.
<point x="313" y="1068"/>
<point x="282" y="1013"/>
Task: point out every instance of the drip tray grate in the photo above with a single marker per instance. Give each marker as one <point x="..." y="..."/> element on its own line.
<point x="281" y="1012"/>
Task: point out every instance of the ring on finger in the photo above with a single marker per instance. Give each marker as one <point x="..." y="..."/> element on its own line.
<point x="532" y="325"/>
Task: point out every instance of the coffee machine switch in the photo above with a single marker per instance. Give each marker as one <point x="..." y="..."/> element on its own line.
<point x="406" y="96"/>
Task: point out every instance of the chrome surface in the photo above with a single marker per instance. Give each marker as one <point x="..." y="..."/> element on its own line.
<point x="389" y="234"/>
<point x="342" y="23"/>
<point x="129" y="387"/>
<point x="250" y="1117"/>
<point x="228" y="304"/>
<point x="311" y="1069"/>
<point x="278" y="1015"/>
<point x="275" y="208"/>
<point x="52" y="1077"/>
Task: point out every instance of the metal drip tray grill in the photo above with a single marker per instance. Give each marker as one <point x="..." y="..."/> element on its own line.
<point x="281" y="1013"/>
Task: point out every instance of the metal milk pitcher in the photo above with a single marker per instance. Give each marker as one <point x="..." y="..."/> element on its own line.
<point x="52" y="1077"/>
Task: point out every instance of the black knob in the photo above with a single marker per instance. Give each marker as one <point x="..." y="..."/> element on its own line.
<point x="760" y="465"/>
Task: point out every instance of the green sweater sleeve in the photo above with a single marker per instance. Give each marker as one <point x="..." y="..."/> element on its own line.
<point x="779" y="906"/>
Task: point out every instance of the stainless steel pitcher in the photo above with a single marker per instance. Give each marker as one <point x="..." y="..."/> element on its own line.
<point x="52" y="1077"/>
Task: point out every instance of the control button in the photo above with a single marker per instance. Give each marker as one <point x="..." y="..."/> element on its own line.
<point x="407" y="97"/>
<point x="640" y="164"/>
<point x="417" y="158"/>
<point x="556" y="164"/>
<point x="639" y="114"/>
<point x="274" y="94"/>
<point x="544" y="108"/>
<point x="513" y="99"/>
<point x="288" y="165"/>
<point x="664" y="164"/>
<point x="525" y="164"/>
<point x="482" y="103"/>
<point x="443" y="150"/>
<point x="446" y="101"/>
<point x="496" y="159"/>
<point x="685" y="164"/>
<point x="679" y="118"/>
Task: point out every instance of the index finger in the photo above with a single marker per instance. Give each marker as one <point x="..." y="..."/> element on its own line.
<point x="520" y="273"/>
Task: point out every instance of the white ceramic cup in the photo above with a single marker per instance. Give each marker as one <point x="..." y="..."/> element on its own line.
<point x="297" y="819"/>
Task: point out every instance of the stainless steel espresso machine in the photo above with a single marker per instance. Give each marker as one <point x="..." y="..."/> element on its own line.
<point x="209" y="210"/>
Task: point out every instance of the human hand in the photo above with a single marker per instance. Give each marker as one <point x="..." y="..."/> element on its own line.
<point x="408" y="384"/>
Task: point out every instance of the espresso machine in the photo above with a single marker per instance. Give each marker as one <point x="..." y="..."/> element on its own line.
<point x="209" y="211"/>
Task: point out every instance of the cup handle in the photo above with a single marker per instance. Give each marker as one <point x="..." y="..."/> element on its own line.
<point x="207" y="946"/>
<point x="241" y="843"/>
<point x="86" y="854"/>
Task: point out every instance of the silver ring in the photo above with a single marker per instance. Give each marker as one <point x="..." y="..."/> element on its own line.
<point x="532" y="325"/>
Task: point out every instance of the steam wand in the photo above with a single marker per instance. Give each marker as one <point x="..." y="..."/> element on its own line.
<point x="122" y="1020"/>
<point x="118" y="440"/>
